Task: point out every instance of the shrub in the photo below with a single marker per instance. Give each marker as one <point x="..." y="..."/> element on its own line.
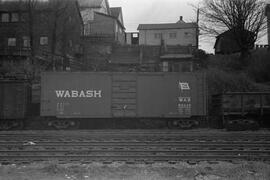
<point x="259" y="66"/>
<point x="221" y="81"/>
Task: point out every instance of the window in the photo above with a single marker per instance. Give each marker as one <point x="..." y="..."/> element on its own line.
<point x="165" y="66"/>
<point x="5" y="17"/>
<point x="14" y="17"/>
<point x="187" y="34"/>
<point x="172" y="35"/>
<point x="43" y="40"/>
<point x="11" y="41"/>
<point x="135" y="35"/>
<point x="157" y="35"/>
<point x="26" y="41"/>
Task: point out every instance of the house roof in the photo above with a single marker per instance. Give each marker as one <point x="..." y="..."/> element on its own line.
<point x="112" y="17"/>
<point x="116" y="12"/>
<point x="94" y="4"/>
<point x="167" y="26"/>
<point x="90" y="3"/>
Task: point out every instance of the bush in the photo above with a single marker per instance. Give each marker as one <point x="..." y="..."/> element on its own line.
<point x="259" y="66"/>
<point x="225" y="62"/>
<point x="221" y="81"/>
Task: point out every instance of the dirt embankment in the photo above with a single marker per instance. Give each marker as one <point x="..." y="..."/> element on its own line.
<point x="158" y="171"/>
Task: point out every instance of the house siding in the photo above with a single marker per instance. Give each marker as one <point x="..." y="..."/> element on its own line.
<point x="102" y="25"/>
<point x="88" y="14"/>
<point x="107" y="26"/>
<point x="183" y="37"/>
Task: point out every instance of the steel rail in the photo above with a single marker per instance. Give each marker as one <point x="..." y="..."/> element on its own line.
<point x="104" y="157"/>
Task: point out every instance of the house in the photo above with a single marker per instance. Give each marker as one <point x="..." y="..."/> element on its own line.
<point x="180" y="33"/>
<point x="117" y="13"/>
<point x="44" y="37"/>
<point x="88" y="9"/>
<point x="226" y="42"/>
<point x="177" y="42"/>
<point x="132" y="38"/>
<point x="107" y="26"/>
<point x="104" y="27"/>
<point x="101" y="21"/>
<point x="267" y="13"/>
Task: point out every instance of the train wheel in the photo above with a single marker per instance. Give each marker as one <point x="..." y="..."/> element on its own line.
<point x="182" y="124"/>
<point x="11" y="124"/>
<point x="173" y="124"/>
<point x="18" y="124"/>
<point x="5" y="125"/>
<point x="64" y="124"/>
<point x="74" y="124"/>
<point x="186" y="124"/>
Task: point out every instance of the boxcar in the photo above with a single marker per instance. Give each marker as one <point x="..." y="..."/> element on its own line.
<point x="15" y="98"/>
<point x="177" y="97"/>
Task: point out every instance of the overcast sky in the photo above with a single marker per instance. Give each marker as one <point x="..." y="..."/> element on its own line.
<point x="137" y="12"/>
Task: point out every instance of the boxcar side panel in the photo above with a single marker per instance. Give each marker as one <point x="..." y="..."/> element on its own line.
<point x="179" y="95"/>
<point x="76" y="95"/>
<point x="199" y="94"/>
<point x="151" y="99"/>
<point x="106" y="95"/>
<point x="175" y="95"/>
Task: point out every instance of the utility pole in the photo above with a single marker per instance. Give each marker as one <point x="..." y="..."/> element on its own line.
<point x="197" y="30"/>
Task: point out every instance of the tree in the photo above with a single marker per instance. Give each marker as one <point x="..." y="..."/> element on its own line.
<point x="57" y="23"/>
<point x="245" y="18"/>
<point x="31" y="6"/>
<point x="201" y="58"/>
<point x="54" y="15"/>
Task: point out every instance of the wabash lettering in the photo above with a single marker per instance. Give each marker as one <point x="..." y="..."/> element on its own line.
<point x="78" y="94"/>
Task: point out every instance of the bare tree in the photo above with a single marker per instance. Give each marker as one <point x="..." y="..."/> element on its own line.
<point x="57" y="21"/>
<point x="31" y="6"/>
<point x="245" y="18"/>
<point x="53" y="15"/>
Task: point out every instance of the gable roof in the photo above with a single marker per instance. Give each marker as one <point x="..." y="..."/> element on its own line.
<point x="116" y="12"/>
<point x="111" y="17"/>
<point x="167" y="26"/>
<point x="94" y="4"/>
<point x="90" y="3"/>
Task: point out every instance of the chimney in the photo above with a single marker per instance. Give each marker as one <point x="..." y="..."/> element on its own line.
<point x="181" y="20"/>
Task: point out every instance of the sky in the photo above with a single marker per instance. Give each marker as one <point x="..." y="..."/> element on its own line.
<point x="137" y="12"/>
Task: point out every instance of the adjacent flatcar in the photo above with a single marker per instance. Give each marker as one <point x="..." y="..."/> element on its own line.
<point x="179" y="98"/>
<point x="241" y="110"/>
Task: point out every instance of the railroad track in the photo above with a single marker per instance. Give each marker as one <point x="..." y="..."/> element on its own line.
<point x="132" y="146"/>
